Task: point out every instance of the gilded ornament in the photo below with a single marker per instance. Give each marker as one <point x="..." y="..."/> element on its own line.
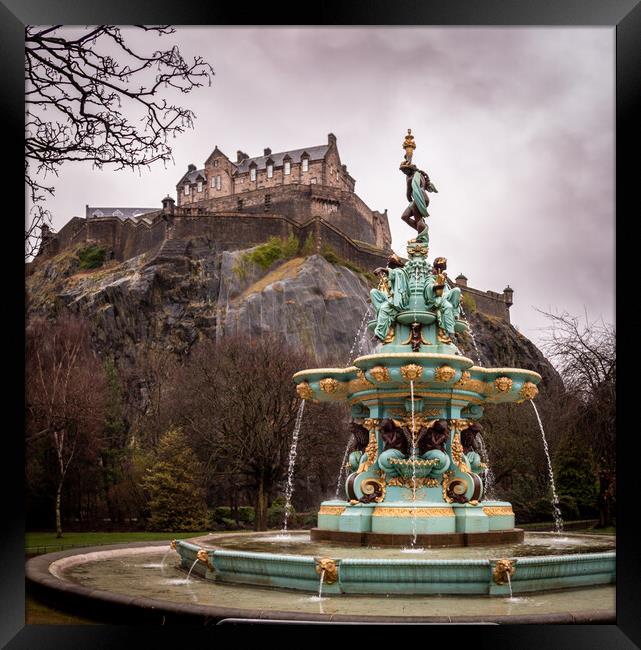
<point x="326" y="567"/>
<point x="373" y="489"/>
<point x="447" y="478"/>
<point x="203" y="557"/>
<point x="389" y="337"/>
<point x="503" y="384"/>
<point x="528" y="390"/>
<point x="399" y="481"/>
<point x="497" y="511"/>
<point x="331" y="510"/>
<point x="503" y="569"/>
<point x="304" y="390"/>
<point x="443" y="336"/>
<point x="360" y="383"/>
<point x="371" y="451"/>
<point x="465" y="378"/>
<point x="380" y="373"/>
<point x="384" y="285"/>
<point x="457" y="452"/>
<point x="173" y="544"/>
<point x="415" y="249"/>
<point x="382" y="511"/>
<point x="419" y="462"/>
<point x="329" y="385"/>
<point x="444" y="373"/>
<point x="411" y="372"/>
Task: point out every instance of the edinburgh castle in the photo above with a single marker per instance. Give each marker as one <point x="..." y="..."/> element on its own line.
<point x="232" y="205"/>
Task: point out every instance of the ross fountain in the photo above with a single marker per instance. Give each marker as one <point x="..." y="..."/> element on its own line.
<point x="418" y="470"/>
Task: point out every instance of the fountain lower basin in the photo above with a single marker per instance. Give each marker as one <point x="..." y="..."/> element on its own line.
<point x="539" y="563"/>
<point x="122" y="584"/>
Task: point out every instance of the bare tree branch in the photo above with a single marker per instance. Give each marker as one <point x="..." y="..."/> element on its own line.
<point x="96" y="99"/>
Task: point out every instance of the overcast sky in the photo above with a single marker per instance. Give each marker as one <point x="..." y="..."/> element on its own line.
<point x="515" y="127"/>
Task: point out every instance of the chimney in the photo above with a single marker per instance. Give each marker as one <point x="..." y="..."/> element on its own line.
<point x="239" y="156"/>
<point x="508" y="295"/>
<point x="267" y="152"/>
<point x="191" y="168"/>
<point x="331" y="139"/>
<point x="461" y="280"/>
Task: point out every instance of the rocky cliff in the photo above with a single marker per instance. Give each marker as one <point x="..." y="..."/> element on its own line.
<point x="185" y="291"/>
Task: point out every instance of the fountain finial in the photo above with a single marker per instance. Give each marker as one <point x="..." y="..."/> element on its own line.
<point x="409" y="145"/>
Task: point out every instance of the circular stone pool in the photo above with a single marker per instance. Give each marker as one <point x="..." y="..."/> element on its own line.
<point x="149" y="581"/>
<point x="542" y="562"/>
<point x="299" y="543"/>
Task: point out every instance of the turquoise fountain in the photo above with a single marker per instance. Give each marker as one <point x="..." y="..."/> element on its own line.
<point x="416" y="474"/>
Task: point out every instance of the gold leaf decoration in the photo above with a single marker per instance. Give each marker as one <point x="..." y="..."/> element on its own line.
<point x="503" y="384"/>
<point x="411" y="372"/>
<point x="304" y="390"/>
<point x="380" y="373"/>
<point x="444" y="373"/>
<point x="329" y="385"/>
<point x="497" y="511"/>
<point x="327" y="566"/>
<point x="528" y="390"/>
<point x="502" y="570"/>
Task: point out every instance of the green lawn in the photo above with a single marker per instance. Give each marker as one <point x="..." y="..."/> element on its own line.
<point x="36" y="543"/>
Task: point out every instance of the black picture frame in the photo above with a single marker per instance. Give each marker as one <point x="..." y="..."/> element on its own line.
<point x="624" y="16"/>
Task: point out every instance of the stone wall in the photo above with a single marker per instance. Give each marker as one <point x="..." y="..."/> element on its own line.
<point x="489" y="303"/>
<point x="343" y="209"/>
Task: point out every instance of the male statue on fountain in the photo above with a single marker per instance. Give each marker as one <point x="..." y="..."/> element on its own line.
<point x="391" y="297"/>
<point x="442" y="300"/>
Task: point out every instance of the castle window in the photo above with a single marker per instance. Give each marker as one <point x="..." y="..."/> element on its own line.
<point x="215" y="163"/>
<point x="252" y="174"/>
<point x="116" y="213"/>
<point x="200" y="186"/>
<point x="305" y="164"/>
<point x="240" y="204"/>
<point x="268" y="201"/>
<point x="218" y="183"/>
<point x="313" y="181"/>
<point x="287" y="167"/>
<point x="270" y="170"/>
<point x="186" y="190"/>
<point x="213" y="182"/>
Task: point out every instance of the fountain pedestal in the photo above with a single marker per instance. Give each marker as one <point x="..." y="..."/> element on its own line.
<point x="416" y="469"/>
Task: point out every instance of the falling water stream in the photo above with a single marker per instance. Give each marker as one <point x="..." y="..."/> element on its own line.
<point x="358" y="339"/>
<point x="414" y="534"/>
<point x="343" y="466"/>
<point x="558" y="520"/>
<point x="488" y="479"/>
<point x="320" y="585"/>
<point x="509" y="583"/>
<point x="192" y="568"/>
<point x="290" y="469"/>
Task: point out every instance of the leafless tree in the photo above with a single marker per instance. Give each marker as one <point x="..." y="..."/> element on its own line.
<point x="584" y="351"/>
<point x="236" y="400"/>
<point x="66" y="393"/>
<point x="93" y="97"/>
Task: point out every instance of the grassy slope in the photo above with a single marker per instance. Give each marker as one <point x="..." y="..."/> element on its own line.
<point x="35" y="542"/>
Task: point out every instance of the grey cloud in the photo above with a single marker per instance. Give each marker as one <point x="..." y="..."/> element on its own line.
<point x="514" y="125"/>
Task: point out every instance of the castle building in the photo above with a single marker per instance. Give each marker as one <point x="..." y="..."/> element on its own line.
<point x="300" y="184"/>
<point x="220" y="177"/>
<point x="231" y="205"/>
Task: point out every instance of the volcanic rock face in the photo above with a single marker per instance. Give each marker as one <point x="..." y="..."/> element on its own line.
<point x="179" y="295"/>
<point x="173" y="300"/>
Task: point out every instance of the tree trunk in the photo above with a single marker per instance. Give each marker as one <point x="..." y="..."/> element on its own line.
<point x="260" y="517"/>
<point x="58" y="516"/>
<point x="605" y="513"/>
<point x="234" y="505"/>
